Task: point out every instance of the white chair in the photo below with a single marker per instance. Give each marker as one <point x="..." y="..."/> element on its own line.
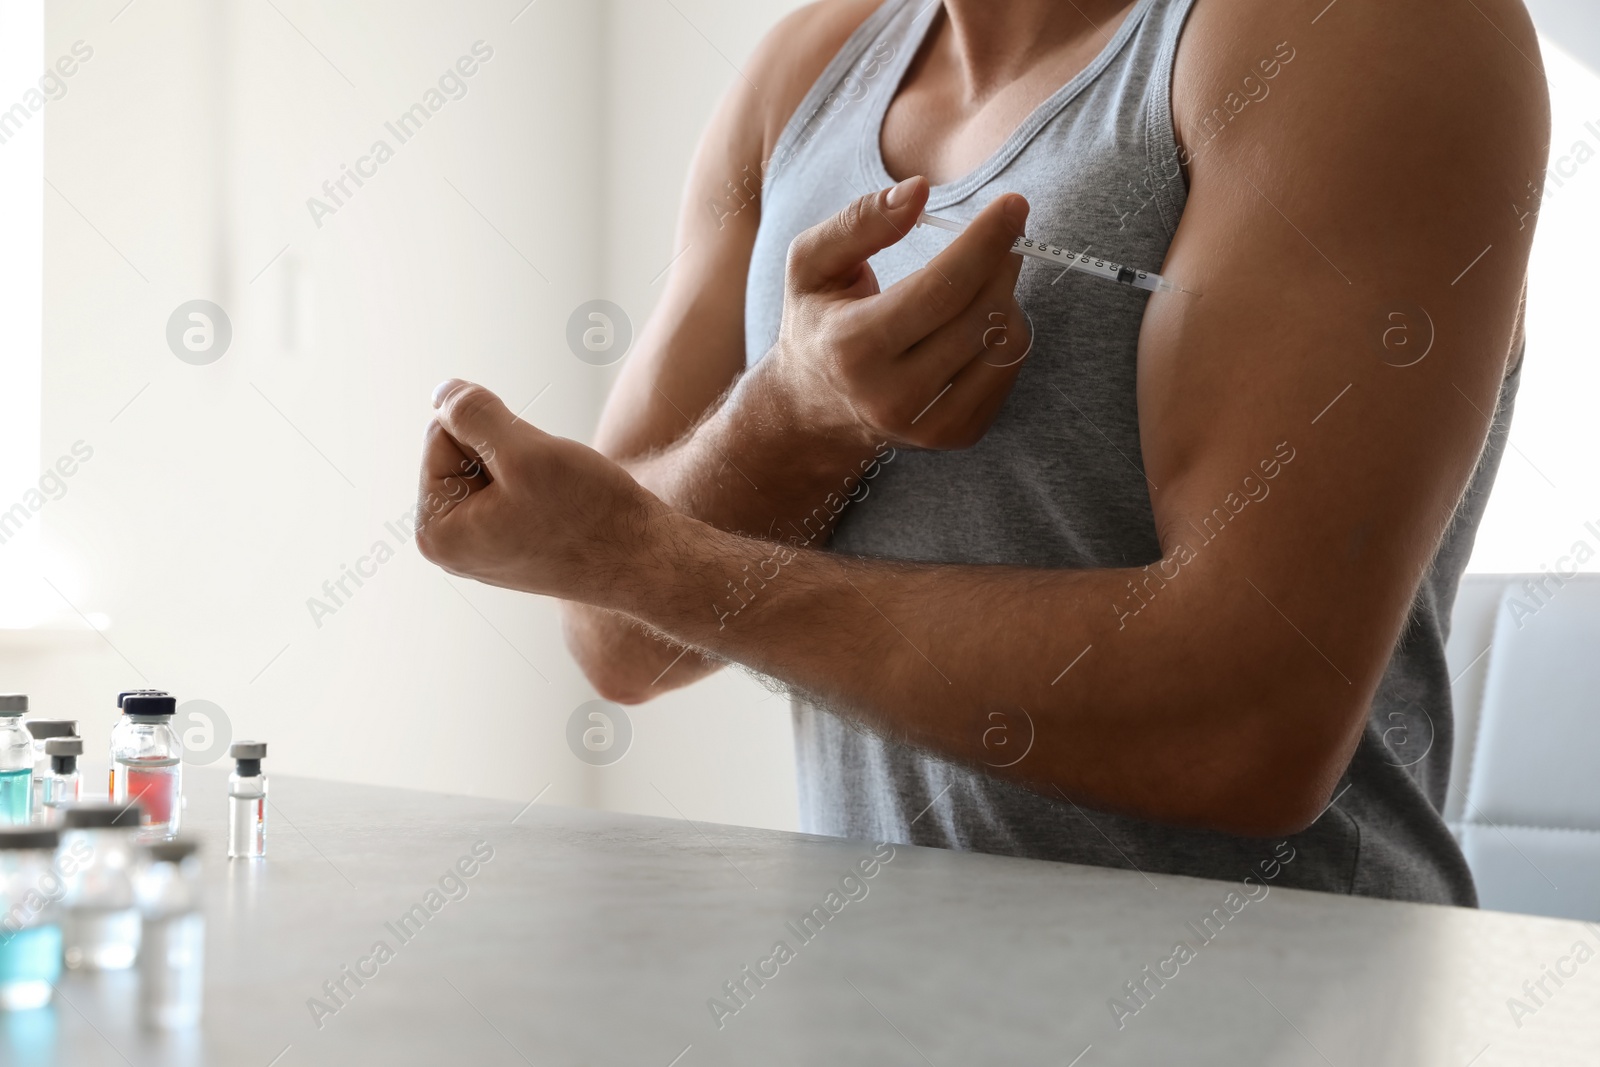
<point x="1525" y="789"/>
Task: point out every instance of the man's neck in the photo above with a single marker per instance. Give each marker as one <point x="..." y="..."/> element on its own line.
<point x="993" y="42"/>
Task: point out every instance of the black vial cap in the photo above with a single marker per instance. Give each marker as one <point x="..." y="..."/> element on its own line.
<point x="20" y="837"/>
<point x="126" y="693"/>
<point x="99" y="815"/>
<point x="148" y="704"/>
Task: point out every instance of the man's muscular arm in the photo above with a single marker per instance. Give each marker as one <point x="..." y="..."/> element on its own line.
<point x="790" y="441"/>
<point x="1226" y="685"/>
<point x="692" y="352"/>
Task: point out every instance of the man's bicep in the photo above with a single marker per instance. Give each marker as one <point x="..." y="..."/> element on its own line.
<point x="692" y="348"/>
<point x="1311" y="417"/>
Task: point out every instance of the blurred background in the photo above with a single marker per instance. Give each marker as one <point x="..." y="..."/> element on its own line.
<point x="175" y="164"/>
<point x="227" y="472"/>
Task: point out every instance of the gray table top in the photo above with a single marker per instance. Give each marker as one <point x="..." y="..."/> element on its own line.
<point x="595" y="938"/>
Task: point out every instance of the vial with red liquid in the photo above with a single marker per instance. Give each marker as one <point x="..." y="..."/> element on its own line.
<point x="147" y="764"/>
<point x="119" y="734"/>
<point x="247" y="801"/>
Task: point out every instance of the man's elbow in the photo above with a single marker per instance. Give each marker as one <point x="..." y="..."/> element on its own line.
<point x="615" y="680"/>
<point x="619" y="687"/>
<point x="614" y="676"/>
<point x="1277" y="792"/>
<point x="1276" y="772"/>
<point x="1276" y="750"/>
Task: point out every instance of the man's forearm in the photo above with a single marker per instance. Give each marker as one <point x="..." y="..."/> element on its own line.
<point x="1172" y="719"/>
<point x="781" y="486"/>
<point x="751" y="467"/>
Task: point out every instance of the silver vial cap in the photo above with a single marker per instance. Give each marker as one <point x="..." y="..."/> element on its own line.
<point x="13" y="703"/>
<point x="64" y="746"/>
<point x="247" y="750"/>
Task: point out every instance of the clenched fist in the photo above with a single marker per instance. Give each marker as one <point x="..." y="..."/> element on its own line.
<point x="508" y="504"/>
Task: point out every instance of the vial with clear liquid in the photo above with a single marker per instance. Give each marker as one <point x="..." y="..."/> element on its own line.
<point x="30" y="938"/>
<point x="147" y="764"/>
<point x="247" y="801"/>
<point x="41" y="730"/>
<point x="172" y="952"/>
<point x="100" y="922"/>
<point x="62" y="783"/>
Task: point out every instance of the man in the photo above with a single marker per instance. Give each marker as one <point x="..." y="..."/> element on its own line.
<point x="1111" y="578"/>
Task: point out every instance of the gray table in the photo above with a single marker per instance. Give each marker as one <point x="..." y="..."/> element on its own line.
<point x="592" y="938"/>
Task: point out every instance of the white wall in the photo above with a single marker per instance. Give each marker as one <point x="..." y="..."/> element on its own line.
<point x="1548" y="488"/>
<point x="220" y="498"/>
<point x="22" y="193"/>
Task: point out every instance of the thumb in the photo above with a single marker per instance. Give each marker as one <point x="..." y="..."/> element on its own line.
<point x="475" y="417"/>
<point x="835" y="249"/>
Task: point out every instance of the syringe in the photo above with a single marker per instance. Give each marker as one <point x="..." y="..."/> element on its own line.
<point x="1078" y="261"/>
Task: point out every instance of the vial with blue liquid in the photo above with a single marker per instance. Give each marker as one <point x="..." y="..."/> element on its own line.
<point x="30" y="937"/>
<point x="16" y="762"/>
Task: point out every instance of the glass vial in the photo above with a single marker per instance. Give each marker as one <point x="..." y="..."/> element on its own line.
<point x="172" y="954"/>
<point x="41" y="730"/>
<point x="147" y="762"/>
<point x="119" y="736"/>
<point x="62" y="784"/>
<point x="247" y="801"/>
<point x="30" y="938"/>
<point x="100" y="922"/>
<point x="16" y="762"/>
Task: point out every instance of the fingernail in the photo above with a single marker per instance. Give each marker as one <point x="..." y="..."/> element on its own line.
<point x="1017" y="211"/>
<point x="902" y="192"/>
<point x="443" y="389"/>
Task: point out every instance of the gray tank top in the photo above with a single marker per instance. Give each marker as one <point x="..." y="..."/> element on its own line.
<point x="1058" y="481"/>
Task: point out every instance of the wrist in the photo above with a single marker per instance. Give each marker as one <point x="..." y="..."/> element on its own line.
<point x="806" y="438"/>
<point x="690" y="580"/>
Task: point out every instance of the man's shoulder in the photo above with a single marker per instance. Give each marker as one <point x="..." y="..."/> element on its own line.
<point x="1363" y="73"/>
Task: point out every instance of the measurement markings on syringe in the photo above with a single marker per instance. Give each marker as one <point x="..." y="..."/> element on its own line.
<point x="1078" y="261"/>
